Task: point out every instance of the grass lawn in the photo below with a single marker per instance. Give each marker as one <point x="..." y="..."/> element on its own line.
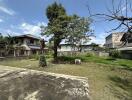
<point x="108" y="79"/>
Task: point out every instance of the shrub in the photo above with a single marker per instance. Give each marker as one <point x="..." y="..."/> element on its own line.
<point x="89" y="54"/>
<point x="69" y="59"/>
<point x="42" y="61"/>
<point x="49" y="55"/>
<point x="115" y="54"/>
<point x="34" y="56"/>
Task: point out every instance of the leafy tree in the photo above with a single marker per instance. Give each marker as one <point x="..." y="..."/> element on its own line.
<point x="2" y="44"/>
<point x="61" y="26"/>
<point x="78" y="31"/>
<point x="58" y="19"/>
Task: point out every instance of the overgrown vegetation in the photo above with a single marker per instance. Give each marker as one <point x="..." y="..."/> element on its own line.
<point x="127" y="64"/>
<point x="115" y="54"/>
<point x="109" y="79"/>
<point x="42" y="61"/>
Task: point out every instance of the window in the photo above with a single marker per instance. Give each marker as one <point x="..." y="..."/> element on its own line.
<point x="32" y="41"/>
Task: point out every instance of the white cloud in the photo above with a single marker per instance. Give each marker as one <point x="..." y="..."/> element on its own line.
<point x="7" y="10"/>
<point x="123" y="8"/>
<point x="42" y="23"/>
<point x="27" y="28"/>
<point x="1" y="20"/>
<point x="99" y="39"/>
<point x="9" y="31"/>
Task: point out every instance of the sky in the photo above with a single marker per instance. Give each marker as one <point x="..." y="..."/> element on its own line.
<point x="25" y="16"/>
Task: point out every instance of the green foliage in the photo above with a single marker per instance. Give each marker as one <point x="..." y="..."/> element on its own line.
<point x="58" y="19"/>
<point x="89" y="54"/>
<point x="61" y="26"/>
<point x="54" y="11"/>
<point x="78" y="31"/>
<point x="69" y="59"/>
<point x="49" y="55"/>
<point x="42" y="61"/>
<point x="34" y="56"/>
<point x="7" y="43"/>
<point x="115" y="54"/>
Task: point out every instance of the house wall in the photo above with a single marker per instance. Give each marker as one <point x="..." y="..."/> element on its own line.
<point x="113" y="40"/>
<point x="28" y="41"/>
<point x="108" y="42"/>
<point x="116" y="37"/>
<point x="66" y="48"/>
<point x="86" y="48"/>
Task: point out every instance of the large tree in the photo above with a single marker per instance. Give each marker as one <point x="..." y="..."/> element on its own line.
<point x="61" y="26"/>
<point x="78" y="31"/>
<point x="58" y="20"/>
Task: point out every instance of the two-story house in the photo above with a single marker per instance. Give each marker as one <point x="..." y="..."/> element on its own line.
<point x="26" y="45"/>
<point x="113" y="40"/>
<point x="126" y="49"/>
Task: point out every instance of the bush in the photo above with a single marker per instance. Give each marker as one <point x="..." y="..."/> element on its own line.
<point x="69" y="59"/>
<point x="34" y="56"/>
<point x="42" y="61"/>
<point x="49" y="55"/>
<point x="89" y="54"/>
<point x="115" y="54"/>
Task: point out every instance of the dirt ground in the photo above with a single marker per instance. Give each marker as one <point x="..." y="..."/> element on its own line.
<point x="25" y="84"/>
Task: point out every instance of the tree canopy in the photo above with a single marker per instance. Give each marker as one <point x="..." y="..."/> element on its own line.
<point x="58" y="19"/>
<point x="78" y="31"/>
<point x="62" y="26"/>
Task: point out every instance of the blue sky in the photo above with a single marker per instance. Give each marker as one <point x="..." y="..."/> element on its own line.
<point x="25" y="16"/>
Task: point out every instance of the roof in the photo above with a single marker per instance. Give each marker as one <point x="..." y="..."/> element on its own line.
<point x="36" y="47"/>
<point x="28" y="35"/>
<point x="110" y="35"/>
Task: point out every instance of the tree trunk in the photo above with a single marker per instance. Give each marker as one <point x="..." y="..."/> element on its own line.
<point x="55" y="51"/>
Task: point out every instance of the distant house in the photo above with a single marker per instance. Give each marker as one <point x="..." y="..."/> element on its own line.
<point x="67" y="48"/>
<point x="26" y="45"/>
<point x="89" y="47"/>
<point x="113" y="40"/>
<point x="126" y="49"/>
<point x="83" y="48"/>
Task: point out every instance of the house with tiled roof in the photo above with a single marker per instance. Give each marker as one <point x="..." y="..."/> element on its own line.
<point x="27" y="44"/>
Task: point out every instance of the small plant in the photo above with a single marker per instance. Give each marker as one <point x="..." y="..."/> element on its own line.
<point x="89" y="54"/>
<point x="42" y="61"/>
<point x="34" y="56"/>
<point x="115" y="54"/>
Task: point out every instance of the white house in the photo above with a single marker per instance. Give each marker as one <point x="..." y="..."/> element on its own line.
<point x="67" y="48"/>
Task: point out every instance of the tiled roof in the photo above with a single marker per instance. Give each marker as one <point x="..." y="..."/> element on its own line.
<point x="29" y="35"/>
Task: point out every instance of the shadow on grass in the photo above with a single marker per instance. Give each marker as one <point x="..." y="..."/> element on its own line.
<point x="122" y="87"/>
<point x="126" y="67"/>
<point x="111" y="59"/>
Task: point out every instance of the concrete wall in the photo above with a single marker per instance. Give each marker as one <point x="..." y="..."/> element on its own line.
<point x="113" y="40"/>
